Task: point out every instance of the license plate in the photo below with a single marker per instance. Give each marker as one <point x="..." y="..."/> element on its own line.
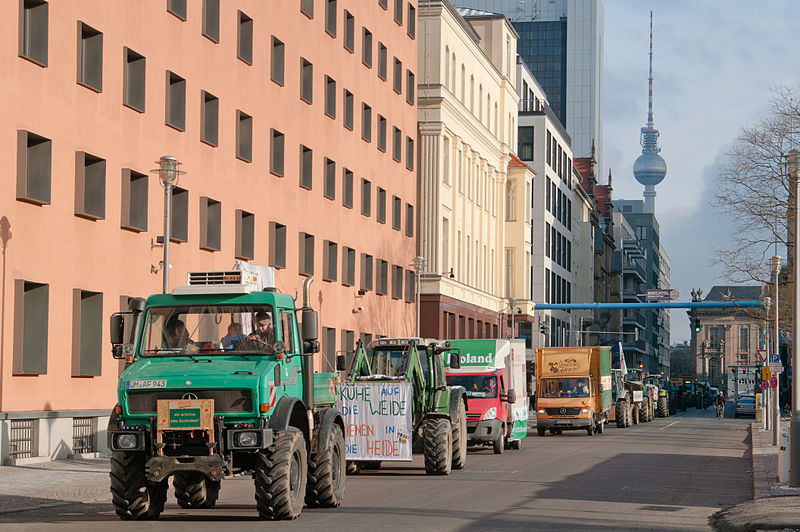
<point x="563" y="422"/>
<point x="143" y="384"/>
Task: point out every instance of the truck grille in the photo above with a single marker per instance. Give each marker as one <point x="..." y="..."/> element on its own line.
<point x="224" y="400"/>
<point x="565" y="411"/>
<point x="473" y="417"/>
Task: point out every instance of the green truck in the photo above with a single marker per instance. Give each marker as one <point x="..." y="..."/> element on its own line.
<point x="219" y="379"/>
<point x="437" y="417"/>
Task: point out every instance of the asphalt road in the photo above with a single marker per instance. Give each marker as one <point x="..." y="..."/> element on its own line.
<point x="671" y="474"/>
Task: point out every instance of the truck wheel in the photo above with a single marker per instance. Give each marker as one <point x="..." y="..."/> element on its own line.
<point x="326" y="472"/>
<point x="663" y="407"/>
<point x="497" y="445"/>
<point x="132" y="495"/>
<point x="601" y="426"/>
<point x="280" y="476"/>
<point x="590" y="429"/>
<point x="620" y="413"/>
<point x="540" y="431"/>
<point x="636" y="414"/>
<point x="438" y="443"/>
<point x="460" y="437"/>
<point x="195" y="490"/>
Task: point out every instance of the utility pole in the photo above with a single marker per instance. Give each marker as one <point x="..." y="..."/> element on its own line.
<point x="168" y="175"/>
<point x="776" y="409"/>
<point x="794" y="423"/>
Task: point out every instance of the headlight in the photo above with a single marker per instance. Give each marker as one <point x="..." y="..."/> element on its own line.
<point x="585" y="410"/>
<point x="490" y="414"/>
<point x="540" y="411"/>
<point x="126" y="441"/>
<point x="247" y="439"/>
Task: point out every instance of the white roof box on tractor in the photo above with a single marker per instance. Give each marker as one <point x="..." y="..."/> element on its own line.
<point x="244" y="278"/>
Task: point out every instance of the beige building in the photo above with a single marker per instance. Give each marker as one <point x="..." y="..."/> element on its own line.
<point x="583" y="251"/>
<point x="467" y="123"/>
<point x="296" y="124"/>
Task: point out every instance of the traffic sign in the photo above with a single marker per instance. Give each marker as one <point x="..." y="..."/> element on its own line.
<point x="663" y="294"/>
<point x="774" y="358"/>
<point x="762" y="353"/>
<point x="776" y="368"/>
<point x="765" y="385"/>
<point x="765" y="374"/>
<point x="773" y="382"/>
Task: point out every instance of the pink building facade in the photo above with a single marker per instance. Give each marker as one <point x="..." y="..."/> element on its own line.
<point x="295" y="122"/>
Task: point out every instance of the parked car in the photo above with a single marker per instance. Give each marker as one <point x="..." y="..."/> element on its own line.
<point x="746" y="406"/>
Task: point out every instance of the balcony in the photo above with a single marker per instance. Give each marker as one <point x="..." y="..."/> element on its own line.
<point x="633" y="317"/>
<point x="634" y="268"/>
<point x="639" y="346"/>
<point x="634" y="248"/>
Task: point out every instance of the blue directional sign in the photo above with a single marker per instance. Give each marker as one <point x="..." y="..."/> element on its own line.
<point x="774" y="358"/>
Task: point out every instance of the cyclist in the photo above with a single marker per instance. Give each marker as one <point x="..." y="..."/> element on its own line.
<point x="720" y="405"/>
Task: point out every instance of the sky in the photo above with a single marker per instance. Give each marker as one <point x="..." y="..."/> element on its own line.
<point x="715" y="65"/>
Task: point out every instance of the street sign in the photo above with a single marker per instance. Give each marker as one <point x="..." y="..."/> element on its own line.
<point x="762" y="353"/>
<point x="765" y="374"/>
<point x="774" y="358"/>
<point x="773" y="382"/>
<point x="776" y="368"/>
<point x="666" y="294"/>
<point x="764" y="385"/>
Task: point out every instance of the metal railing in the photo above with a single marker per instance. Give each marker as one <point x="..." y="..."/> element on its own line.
<point x="23" y="438"/>
<point x="84" y="435"/>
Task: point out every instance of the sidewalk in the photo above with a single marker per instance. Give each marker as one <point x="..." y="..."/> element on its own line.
<point x="55" y="483"/>
<point x="775" y="506"/>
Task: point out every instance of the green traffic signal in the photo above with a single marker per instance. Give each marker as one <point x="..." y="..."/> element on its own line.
<point x="696" y="325"/>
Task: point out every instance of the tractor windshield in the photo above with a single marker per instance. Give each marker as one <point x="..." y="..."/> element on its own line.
<point x="564" y="388"/>
<point x="209" y="330"/>
<point x="389" y="362"/>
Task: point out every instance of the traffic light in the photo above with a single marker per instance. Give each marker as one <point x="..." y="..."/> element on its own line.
<point x="697" y="325"/>
<point x="543" y="328"/>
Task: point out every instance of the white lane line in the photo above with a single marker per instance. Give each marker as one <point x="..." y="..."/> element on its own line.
<point x="667" y="426"/>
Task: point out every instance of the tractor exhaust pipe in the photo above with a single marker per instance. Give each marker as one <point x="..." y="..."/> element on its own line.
<point x="310" y="346"/>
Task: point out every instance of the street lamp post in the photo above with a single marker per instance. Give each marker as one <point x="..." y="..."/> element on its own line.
<point x="513" y="303"/>
<point x="776" y="409"/>
<point x="168" y="175"/>
<point x="419" y="264"/>
<point x="794" y="424"/>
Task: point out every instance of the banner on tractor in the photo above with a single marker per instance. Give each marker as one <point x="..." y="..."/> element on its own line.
<point x="377" y="418"/>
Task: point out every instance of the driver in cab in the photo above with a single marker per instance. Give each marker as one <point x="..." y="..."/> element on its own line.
<point x="263" y="337"/>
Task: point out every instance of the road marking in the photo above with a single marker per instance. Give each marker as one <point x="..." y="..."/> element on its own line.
<point x="667" y="426"/>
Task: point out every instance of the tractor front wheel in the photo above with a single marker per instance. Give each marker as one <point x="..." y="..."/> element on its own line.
<point x="133" y="496"/>
<point x="621" y="413"/>
<point x="326" y="472"/>
<point x="438" y="436"/>
<point x="459" y="426"/>
<point x="280" y="476"/>
<point x="636" y="414"/>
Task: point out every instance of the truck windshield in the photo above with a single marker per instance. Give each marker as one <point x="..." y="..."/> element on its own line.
<point x="209" y="330"/>
<point x="389" y="362"/>
<point x="562" y="388"/>
<point x="478" y="386"/>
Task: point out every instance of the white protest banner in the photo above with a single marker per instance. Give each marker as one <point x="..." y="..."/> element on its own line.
<point x="377" y="419"/>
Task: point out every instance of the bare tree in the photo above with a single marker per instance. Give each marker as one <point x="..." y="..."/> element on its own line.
<point x="753" y="188"/>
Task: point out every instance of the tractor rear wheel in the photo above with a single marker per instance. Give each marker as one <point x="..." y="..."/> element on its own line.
<point x="636" y="413"/>
<point x="663" y="407"/>
<point x="459" y="426"/>
<point x="280" y="476"/>
<point x="326" y="472"/>
<point x="438" y="436"/>
<point x="621" y="413"/>
<point x="132" y="495"/>
<point x="645" y="412"/>
<point x="195" y="490"/>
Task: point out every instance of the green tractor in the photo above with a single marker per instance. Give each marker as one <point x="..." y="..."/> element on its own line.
<point x="649" y="394"/>
<point x="662" y="387"/>
<point x="219" y="380"/>
<point x="438" y="414"/>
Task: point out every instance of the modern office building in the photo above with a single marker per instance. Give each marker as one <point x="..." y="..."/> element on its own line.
<point x="561" y="41"/>
<point x="467" y="130"/>
<point x="296" y="125"/>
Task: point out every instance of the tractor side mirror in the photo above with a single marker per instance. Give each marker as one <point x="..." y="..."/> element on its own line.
<point x="117" y="328"/>
<point x="341" y="363"/>
<point x="310" y="324"/>
<point x="455" y="360"/>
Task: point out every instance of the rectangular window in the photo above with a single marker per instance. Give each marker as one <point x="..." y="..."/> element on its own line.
<point x="348" y="266"/>
<point x="330" y="259"/>
<point x="398" y="11"/>
<point x="90" y="186"/>
<point x="410" y="155"/>
<point x="525" y="148"/>
<point x="244" y="136"/>
<point x="245" y="234"/>
<point x="381" y="205"/>
<point x="382" y="279"/>
<point x="276" y="66"/>
<point x="180" y="215"/>
<point x="446" y="245"/>
<point x="547" y="285"/>
<point x="330" y="96"/>
<point x="398" y="76"/>
<point x="366" y="122"/>
<point x="277" y="245"/>
<point x="397" y="282"/>
<point x="383" y="59"/>
<point x="366" y="197"/>
<point x="245" y="39"/>
<point x="510" y="272"/>
<point x="209" y="118"/>
<point x="330" y="17"/>
<point x="410" y="85"/>
<point x="366" y="47"/>
<point x="210" y="224"/>
<point x="349" y="32"/>
<point x="511" y="200"/>
<point x="276" y="142"/>
<point x="347" y="188"/>
<point x="306" y="81"/>
<point x="34" y="167"/>
<point x="409" y="219"/>
<point x="90" y="57"/>
<point x="348" y="346"/>
<point x="87" y="333"/>
<point x="31" y="313"/>
<point x="397" y="213"/>
<point x="383" y="3"/>
<point x="549" y="154"/>
<point x="366" y="271"/>
<point x="134" y="200"/>
<point x="33" y="33"/>
<point x="547" y="239"/>
<point x="177" y="8"/>
<point x="133" y="80"/>
<point x="330" y="179"/>
<point x="306" y="167"/>
<point x="411" y="281"/>
<point x="744" y="339"/>
<point x="412" y="21"/>
<point x="382" y="133"/>
<point x="307" y="8"/>
<point x="397" y="142"/>
<point x="348" y="109"/>
<point x="211" y="19"/>
<point x="176" y="101"/>
<point x="306" y="254"/>
<point x="328" y="349"/>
